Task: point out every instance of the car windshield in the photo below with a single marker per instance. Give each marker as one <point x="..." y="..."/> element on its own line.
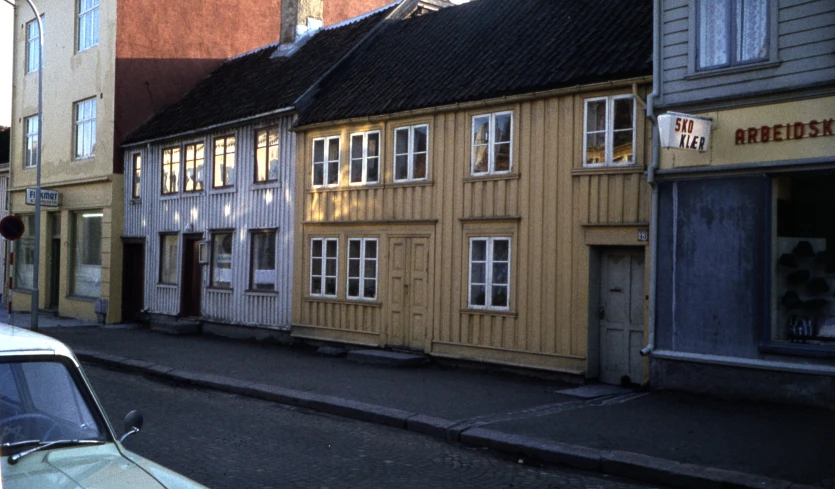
<point x="40" y="401"/>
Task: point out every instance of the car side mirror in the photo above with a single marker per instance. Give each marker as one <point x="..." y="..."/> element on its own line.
<point x="133" y="423"/>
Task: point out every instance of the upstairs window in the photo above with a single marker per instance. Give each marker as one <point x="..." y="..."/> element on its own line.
<point x="136" y="183"/>
<point x="324" y="254"/>
<point x="30" y="150"/>
<point x="88" y="24"/>
<point x="362" y="268"/>
<point x="33" y="46"/>
<point x="365" y="157"/>
<point x="610" y="131"/>
<point x="492" y="141"/>
<point x="731" y="32"/>
<point x="410" y="153"/>
<point x="266" y="155"/>
<point x="326" y="162"/>
<point x="170" y="171"/>
<point x="195" y="154"/>
<point x="85" y="128"/>
<point x="224" y="175"/>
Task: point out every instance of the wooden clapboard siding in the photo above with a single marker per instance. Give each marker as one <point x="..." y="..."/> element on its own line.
<point x="544" y="204"/>
<point x="245" y="207"/>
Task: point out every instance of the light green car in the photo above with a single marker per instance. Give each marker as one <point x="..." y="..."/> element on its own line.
<point x="53" y="432"/>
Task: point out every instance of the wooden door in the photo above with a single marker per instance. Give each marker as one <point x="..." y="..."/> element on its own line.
<point x="408" y="308"/>
<point x="192" y="282"/>
<point x="133" y="281"/>
<point x="621" y="316"/>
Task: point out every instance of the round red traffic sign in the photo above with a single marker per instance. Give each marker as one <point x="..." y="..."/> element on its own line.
<point x="11" y="227"/>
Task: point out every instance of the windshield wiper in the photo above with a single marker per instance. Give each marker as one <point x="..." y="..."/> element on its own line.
<point x="42" y="445"/>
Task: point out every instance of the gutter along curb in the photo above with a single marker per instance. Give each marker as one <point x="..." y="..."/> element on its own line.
<point x="615" y="462"/>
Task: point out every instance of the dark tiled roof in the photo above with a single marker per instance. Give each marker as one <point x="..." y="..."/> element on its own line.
<point x="486" y="49"/>
<point x="256" y="83"/>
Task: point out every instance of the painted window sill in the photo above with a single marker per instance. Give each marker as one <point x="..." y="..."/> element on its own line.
<point x="489" y="312"/>
<point x="220" y="290"/>
<point x="732" y="70"/>
<point x="487" y="177"/>
<point x="261" y="293"/>
<point x="352" y="302"/>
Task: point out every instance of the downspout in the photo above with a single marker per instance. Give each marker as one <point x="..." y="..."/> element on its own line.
<point x="656" y="151"/>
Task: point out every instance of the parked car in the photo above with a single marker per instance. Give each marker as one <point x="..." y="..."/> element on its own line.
<point x="53" y="432"/>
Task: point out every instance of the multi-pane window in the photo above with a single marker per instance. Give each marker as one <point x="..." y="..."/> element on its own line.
<point x="410" y="153"/>
<point x="492" y="140"/>
<point x="222" y="260"/>
<point x="224" y="174"/>
<point x="168" y="259"/>
<point x="30" y="151"/>
<point x="365" y="157"/>
<point x="732" y="32"/>
<point x="489" y="273"/>
<point x="33" y="46"/>
<point x="326" y="161"/>
<point x="194" y="167"/>
<point x="362" y="268"/>
<point x="323" y="256"/>
<point x="85" y="128"/>
<point x="24" y="262"/>
<point x="88" y="24"/>
<point x="266" y="155"/>
<point x="136" y="179"/>
<point x="262" y="272"/>
<point x="170" y="170"/>
<point x="610" y="131"/>
<point x="87" y="232"/>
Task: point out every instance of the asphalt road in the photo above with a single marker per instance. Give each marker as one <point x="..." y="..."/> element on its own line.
<point x="228" y="441"/>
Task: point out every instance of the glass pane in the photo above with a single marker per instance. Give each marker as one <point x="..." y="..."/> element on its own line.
<point x="420" y="166"/>
<point x="316" y="247"/>
<point x="622" y="149"/>
<point x="479" y="250"/>
<point x="319" y="150"/>
<point x="477" y="295"/>
<point x="420" y="138"/>
<point x="318" y="174"/>
<point x="356" y="147"/>
<point x="500" y="273"/>
<point x="272" y="172"/>
<point x="401" y="168"/>
<point x="401" y="141"/>
<point x="333" y="149"/>
<point x="714" y="32"/>
<point x="373" y="145"/>
<point x="502" y="128"/>
<point x="230" y="169"/>
<point x="499" y="298"/>
<point x="333" y="173"/>
<point x="219" y="175"/>
<point x="477" y="273"/>
<point x="370" y="289"/>
<point x="331" y="248"/>
<point x="370" y="269"/>
<point x="222" y="260"/>
<point x="481" y="126"/>
<point x="261" y="139"/>
<point x="316" y="266"/>
<point x="354" y="287"/>
<point x="623" y="114"/>
<point x="274" y="137"/>
<point x="596" y="116"/>
<point x="356" y="171"/>
<point x="330" y="286"/>
<point x="371" y="248"/>
<point x="260" y="164"/>
<point x="502" y="157"/>
<point x="480" y="165"/>
<point x="500" y="249"/>
<point x="330" y="267"/>
<point x="751" y="30"/>
<point x="354" y="246"/>
<point x="353" y="268"/>
<point x="315" y="285"/>
<point x="596" y="148"/>
<point x="372" y="165"/>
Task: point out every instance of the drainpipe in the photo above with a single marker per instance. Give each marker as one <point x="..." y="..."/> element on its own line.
<point x="656" y="152"/>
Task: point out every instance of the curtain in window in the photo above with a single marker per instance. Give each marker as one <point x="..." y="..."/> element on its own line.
<point x="751" y="29"/>
<point x="713" y="33"/>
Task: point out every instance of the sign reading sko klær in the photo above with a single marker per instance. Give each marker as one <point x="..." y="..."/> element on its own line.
<point x="49" y="198"/>
<point x="684" y="131"/>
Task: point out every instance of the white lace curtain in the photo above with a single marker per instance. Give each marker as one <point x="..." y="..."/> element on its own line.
<point x="723" y="41"/>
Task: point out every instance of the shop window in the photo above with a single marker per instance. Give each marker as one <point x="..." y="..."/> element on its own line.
<point x="222" y="260"/>
<point x="262" y="273"/>
<point x="24" y="256"/>
<point x="87" y="234"/>
<point x="168" y="260"/>
<point x="410" y="153"/>
<point x="732" y="32"/>
<point x="362" y="268"/>
<point x="804" y="259"/>
<point x="324" y="254"/>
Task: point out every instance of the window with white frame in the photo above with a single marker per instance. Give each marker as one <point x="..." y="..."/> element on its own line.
<point x="168" y="259"/>
<point x="170" y="171"/>
<point x="88" y="24"/>
<point x="33" y="46"/>
<point x="362" y="268"/>
<point x="85" y="128"/>
<point x="136" y="180"/>
<point x="365" y="157"/>
<point x="326" y="162"/>
<point x="731" y="32"/>
<point x="222" y="259"/>
<point x="87" y="233"/>
<point x="30" y="150"/>
<point x="410" y="152"/>
<point x="492" y="141"/>
<point x="195" y="154"/>
<point x="224" y="174"/>
<point x="489" y="273"/>
<point x="266" y="155"/>
<point x="262" y="269"/>
<point x="609" y="131"/>
<point x="324" y="253"/>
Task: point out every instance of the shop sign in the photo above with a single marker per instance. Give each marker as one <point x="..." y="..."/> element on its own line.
<point x="784" y="132"/>
<point x="49" y="198"/>
<point x="684" y="131"/>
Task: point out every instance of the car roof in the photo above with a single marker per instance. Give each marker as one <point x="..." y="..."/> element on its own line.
<point x="15" y="340"/>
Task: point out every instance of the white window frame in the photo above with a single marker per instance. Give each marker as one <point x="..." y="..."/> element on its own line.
<point x="363" y="258"/>
<point x="33" y="45"/>
<point x="228" y="183"/>
<point x="88" y="25"/>
<point x="410" y="154"/>
<point x="609" y="131"/>
<point x="326" y="162"/>
<point x="491" y="145"/>
<point x="364" y="158"/>
<point x="184" y="162"/>
<point x="324" y="276"/>
<point x="488" y="273"/>
<point x="252" y="269"/>
<point x="30" y="149"/>
<point x="84" y="127"/>
<point x="267" y="131"/>
<point x="175" y="150"/>
<point x="213" y="264"/>
<point x="163" y="237"/>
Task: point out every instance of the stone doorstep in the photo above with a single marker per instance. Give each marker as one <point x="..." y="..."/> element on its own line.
<point x="385" y="357"/>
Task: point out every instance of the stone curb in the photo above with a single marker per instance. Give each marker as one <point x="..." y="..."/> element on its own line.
<point x="625" y="464"/>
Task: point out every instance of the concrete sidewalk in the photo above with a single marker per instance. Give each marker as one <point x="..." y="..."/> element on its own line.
<point x="670" y="438"/>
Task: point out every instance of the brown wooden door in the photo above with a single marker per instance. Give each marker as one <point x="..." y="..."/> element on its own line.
<point x="133" y="281"/>
<point x="621" y="316"/>
<point x="408" y="263"/>
<point x="192" y="283"/>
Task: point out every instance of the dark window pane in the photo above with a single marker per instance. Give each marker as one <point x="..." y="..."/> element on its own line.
<point x="420" y="166"/>
<point x="370" y="269"/>
<point x="479" y="249"/>
<point x="316" y="266"/>
<point x="354" y="248"/>
<point x="356" y="147"/>
<point x="372" y="169"/>
<point x="315" y="285"/>
<point x="333" y="173"/>
<point x="500" y="249"/>
<point x="331" y="248"/>
<point x="373" y="145"/>
<point x="319" y="150"/>
<point x="401" y="141"/>
<point x="420" y="139"/>
<point x="477" y="274"/>
<point x="623" y="114"/>
<point x="330" y="286"/>
<point x="499" y="273"/>
<point x="502" y="128"/>
<point x="333" y="149"/>
<point x="356" y="171"/>
<point x="371" y="249"/>
<point x="477" y="295"/>
<point x="596" y="116"/>
<point x="330" y="266"/>
<point x="622" y="149"/>
<point x="401" y="169"/>
<point x="370" y="290"/>
<point x="354" y="287"/>
<point x="316" y="247"/>
<point x="318" y="174"/>
<point x="499" y="298"/>
<point x="353" y="268"/>
<point x="502" y="157"/>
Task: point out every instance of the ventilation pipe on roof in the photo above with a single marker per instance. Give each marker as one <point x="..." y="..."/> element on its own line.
<point x="298" y="17"/>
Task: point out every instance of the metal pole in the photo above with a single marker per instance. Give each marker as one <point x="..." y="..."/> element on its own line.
<point x="36" y="265"/>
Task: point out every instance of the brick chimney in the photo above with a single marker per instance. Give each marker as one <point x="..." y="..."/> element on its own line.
<point x="300" y="16"/>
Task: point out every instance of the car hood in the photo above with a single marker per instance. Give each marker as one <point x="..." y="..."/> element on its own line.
<point x="92" y="467"/>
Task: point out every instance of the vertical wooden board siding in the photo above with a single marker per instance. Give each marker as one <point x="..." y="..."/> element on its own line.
<point x="445" y="138"/>
<point x="568" y="203"/>
<point x="553" y="176"/>
<point x="522" y="259"/>
<point x="536" y="183"/>
<point x="630" y="197"/>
